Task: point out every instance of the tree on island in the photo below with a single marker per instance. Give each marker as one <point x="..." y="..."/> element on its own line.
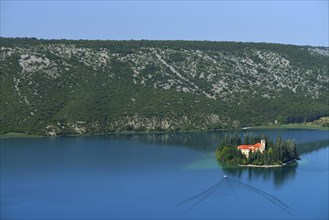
<point x="274" y="154"/>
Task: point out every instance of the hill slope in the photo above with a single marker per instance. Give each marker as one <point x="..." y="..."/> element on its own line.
<point x="71" y="87"/>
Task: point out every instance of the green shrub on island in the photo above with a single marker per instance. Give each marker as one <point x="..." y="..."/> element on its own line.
<point x="230" y="150"/>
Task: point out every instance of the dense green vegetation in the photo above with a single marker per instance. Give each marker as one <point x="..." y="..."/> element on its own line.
<point x="51" y="87"/>
<point x="323" y="122"/>
<point x="275" y="153"/>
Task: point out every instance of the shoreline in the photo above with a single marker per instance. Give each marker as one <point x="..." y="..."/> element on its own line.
<point x="267" y="166"/>
<point x="20" y="135"/>
<point x="291" y="126"/>
<point x="284" y="126"/>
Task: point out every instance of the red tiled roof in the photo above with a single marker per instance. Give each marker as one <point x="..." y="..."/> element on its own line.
<point x="257" y="145"/>
<point x="245" y="146"/>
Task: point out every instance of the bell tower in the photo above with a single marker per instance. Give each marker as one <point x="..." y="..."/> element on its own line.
<point x="262" y="147"/>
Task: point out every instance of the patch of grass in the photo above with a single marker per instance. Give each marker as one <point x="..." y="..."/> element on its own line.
<point x="297" y="126"/>
<point x="18" y="135"/>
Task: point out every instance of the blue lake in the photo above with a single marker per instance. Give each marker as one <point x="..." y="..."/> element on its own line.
<point x="149" y="176"/>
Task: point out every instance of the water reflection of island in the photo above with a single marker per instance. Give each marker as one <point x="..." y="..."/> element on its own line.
<point x="279" y="174"/>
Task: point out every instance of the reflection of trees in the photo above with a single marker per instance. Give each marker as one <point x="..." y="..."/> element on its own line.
<point x="312" y="146"/>
<point x="278" y="174"/>
<point x="207" y="141"/>
<point x="202" y="141"/>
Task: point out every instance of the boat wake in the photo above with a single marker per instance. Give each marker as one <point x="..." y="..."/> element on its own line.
<point x="197" y="199"/>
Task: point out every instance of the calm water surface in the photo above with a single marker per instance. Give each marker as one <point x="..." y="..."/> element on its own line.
<point x="147" y="176"/>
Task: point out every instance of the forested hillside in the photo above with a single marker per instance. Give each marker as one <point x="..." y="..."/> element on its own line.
<point x="52" y="87"/>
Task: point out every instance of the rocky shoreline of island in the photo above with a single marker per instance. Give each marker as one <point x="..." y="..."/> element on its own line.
<point x="268" y="166"/>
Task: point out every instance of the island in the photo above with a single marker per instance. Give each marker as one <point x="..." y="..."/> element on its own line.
<point x="256" y="151"/>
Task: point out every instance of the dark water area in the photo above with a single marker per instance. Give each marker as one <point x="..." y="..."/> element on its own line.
<point x="158" y="176"/>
